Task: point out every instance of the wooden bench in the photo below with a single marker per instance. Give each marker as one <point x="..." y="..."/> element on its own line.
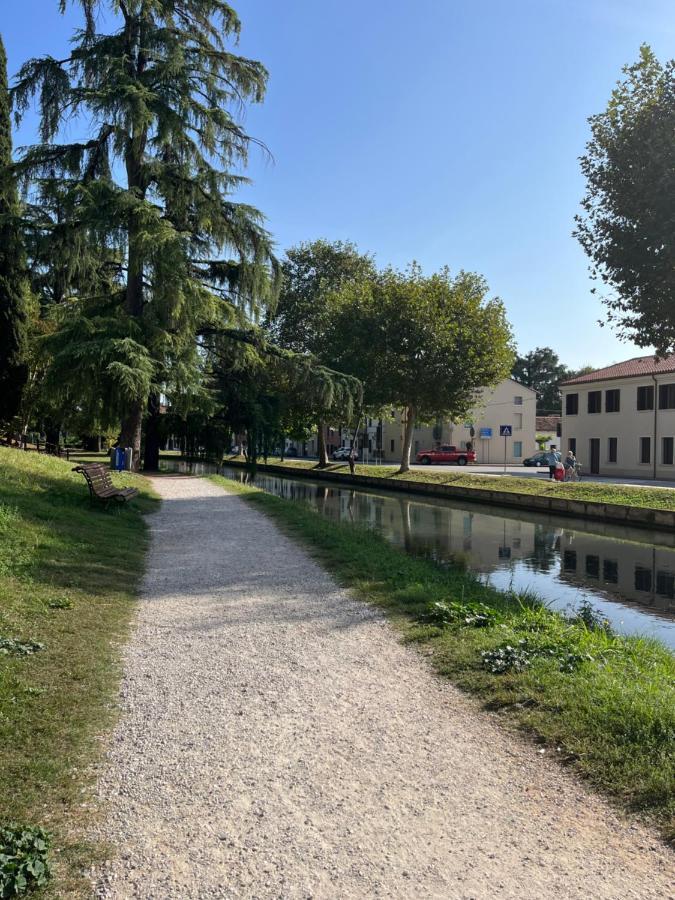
<point x="100" y="484"/>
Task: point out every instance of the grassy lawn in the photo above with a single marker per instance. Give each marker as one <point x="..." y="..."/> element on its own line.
<point x="627" y="495"/>
<point x="68" y="577"/>
<point x="602" y="703"/>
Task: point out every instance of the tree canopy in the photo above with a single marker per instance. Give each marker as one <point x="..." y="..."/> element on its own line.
<point x="427" y="344"/>
<point x="541" y="370"/>
<point x="146" y="198"/>
<point x="627" y="226"/>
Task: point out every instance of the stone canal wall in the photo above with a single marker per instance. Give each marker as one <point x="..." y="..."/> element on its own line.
<point x="618" y="514"/>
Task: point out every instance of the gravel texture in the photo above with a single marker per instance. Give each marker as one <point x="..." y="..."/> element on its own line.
<point x="276" y="741"/>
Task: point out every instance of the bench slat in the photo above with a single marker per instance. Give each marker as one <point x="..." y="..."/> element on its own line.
<point x="101" y="485"/>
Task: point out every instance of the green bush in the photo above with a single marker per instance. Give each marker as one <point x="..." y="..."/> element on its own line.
<point x="23" y="860"/>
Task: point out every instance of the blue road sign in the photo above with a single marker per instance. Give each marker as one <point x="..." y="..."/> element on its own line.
<point x="505" y="430"/>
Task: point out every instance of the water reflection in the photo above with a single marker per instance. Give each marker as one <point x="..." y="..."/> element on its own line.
<point x="629" y="574"/>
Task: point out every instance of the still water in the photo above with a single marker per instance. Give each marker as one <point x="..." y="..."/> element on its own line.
<point x="628" y="574"/>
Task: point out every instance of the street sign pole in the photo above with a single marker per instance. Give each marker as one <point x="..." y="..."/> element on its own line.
<point x="505" y="431"/>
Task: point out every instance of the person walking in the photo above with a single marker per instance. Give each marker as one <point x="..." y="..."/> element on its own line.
<point x="553" y="457"/>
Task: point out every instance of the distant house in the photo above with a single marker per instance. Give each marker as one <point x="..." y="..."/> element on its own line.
<point x="620" y="420"/>
<point x="508" y="403"/>
<point x="549" y="427"/>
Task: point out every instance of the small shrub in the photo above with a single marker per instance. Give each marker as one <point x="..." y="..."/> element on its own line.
<point x="454" y="612"/>
<point x="509" y="658"/>
<point x="586" y="614"/>
<point x="13" y="647"/>
<point x="60" y="603"/>
<point x="23" y="860"/>
<point x="506" y="658"/>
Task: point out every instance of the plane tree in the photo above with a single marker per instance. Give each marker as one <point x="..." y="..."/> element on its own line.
<point x="424" y="344"/>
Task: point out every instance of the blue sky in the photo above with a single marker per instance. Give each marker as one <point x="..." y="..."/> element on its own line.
<point x="445" y="131"/>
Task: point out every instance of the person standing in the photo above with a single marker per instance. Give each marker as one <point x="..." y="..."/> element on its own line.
<point x="570" y="465"/>
<point x="553" y="458"/>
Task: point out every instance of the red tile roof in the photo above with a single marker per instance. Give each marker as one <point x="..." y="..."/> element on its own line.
<point x="548" y="423"/>
<point x="631" y="368"/>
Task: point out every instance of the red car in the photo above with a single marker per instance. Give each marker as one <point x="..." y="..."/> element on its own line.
<point x="446" y="453"/>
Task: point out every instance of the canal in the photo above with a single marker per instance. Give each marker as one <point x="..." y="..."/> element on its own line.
<point x="628" y="574"/>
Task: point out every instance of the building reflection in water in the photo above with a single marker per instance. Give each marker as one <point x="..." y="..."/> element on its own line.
<point x="628" y="573"/>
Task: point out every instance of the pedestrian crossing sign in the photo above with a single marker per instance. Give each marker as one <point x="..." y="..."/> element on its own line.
<point x="505" y="430"/>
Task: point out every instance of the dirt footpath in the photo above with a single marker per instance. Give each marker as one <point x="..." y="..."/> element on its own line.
<point x="276" y="741"/>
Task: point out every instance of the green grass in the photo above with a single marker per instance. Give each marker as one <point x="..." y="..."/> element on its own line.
<point x="612" y="717"/>
<point x="624" y="495"/>
<point x="68" y="577"/>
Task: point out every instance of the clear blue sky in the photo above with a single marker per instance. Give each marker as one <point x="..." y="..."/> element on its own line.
<point x="446" y="131"/>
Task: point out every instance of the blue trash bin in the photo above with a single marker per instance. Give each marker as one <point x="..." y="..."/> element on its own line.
<point x="118" y="460"/>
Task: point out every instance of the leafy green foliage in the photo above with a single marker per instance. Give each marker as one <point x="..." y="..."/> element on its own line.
<point x="15" y="647"/>
<point x="541" y="370"/>
<point x="24" y="864"/>
<point x="587" y="615"/>
<point x="148" y="246"/>
<point x="455" y="612"/>
<point x="425" y="344"/>
<point x="627" y="228"/>
<point x="312" y="273"/>
<point x="508" y="658"/>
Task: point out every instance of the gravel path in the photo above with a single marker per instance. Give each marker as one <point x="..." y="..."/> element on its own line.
<point x="276" y="741"/>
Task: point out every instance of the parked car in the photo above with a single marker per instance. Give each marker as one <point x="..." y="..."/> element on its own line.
<point x="446" y="453"/>
<point x="344" y="453"/>
<point x="291" y="451"/>
<point x="537" y="459"/>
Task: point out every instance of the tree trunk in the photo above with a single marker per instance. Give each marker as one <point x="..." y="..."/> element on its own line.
<point x="407" y="442"/>
<point x="323" y="454"/>
<point x="151" y="449"/>
<point x="130" y="436"/>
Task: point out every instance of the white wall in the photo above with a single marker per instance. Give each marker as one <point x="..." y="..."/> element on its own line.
<point x="627" y="425"/>
<point x="498" y="407"/>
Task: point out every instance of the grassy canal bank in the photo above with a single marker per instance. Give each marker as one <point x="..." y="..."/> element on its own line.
<point x="68" y="577"/>
<point x="601" y="703"/>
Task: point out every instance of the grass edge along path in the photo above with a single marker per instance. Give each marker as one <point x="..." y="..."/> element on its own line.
<point x="69" y="575"/>
<point x="643" y="497"/>
<point x="602" y="703"/>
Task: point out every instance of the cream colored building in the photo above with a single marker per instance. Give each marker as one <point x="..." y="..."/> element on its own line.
<point x="620" y="420"/>
<point x="509" y="403"/>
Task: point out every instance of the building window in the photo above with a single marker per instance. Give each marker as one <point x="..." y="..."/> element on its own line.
<point x="667" y="396"/>
<point x="593" y="566"/>
<point x="392" y="445"/>
<point x="570" y="560"/>
<point x="665" y="584"/>
<point x="518" y="421"/>
<point x="645" y="450"/>
<point x="611" y="449"/>
<point x="572" y="445"/>
<point x="595" y="401"/>
<point x="517" y="449"/>
<point x="610" y="571"/>
<point x="518" y="401"/>
<point x="643" y="579"/>
<point x="645" y="397"/>
<point x="667" y="451"/>
<point x="572" y="404"/>
<point x="612" y="401"/>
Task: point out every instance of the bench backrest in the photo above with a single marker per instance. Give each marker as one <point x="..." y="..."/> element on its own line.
<point x="97" y="475"/>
